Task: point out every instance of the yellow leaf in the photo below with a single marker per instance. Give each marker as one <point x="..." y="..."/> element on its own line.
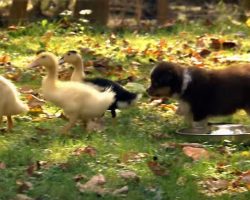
<point x="245" y="153"/>
<point x="248" y="22"/>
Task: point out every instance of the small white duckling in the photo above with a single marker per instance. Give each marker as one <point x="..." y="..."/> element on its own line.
<point x="10" y="104"/>
<point x="78" y="100"/>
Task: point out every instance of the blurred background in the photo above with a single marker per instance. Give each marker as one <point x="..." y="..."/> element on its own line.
<point x="123" y="12"/>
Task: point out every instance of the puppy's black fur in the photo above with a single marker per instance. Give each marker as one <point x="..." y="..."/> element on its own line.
<point x="209" y="92"/>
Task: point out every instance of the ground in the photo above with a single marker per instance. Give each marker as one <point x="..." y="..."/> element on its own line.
<point x="141" y="154"/>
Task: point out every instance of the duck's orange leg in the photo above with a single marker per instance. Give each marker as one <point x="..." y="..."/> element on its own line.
<point x="10" y="123"/>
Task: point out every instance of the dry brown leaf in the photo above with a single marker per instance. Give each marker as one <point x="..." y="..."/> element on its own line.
<point x="157" y="168"/>
<point x="14" y="76"/>
<point x="175" y="145"/>
<point x="133" y="157"/>
<point x="93" y="185"/>
<point x="245" y="179"/>
<point x="79" y="177"/>
<point x="23" y="185"/>
<point x="215" y="185"/>
<point x="122" y="190"/>
<point x="85" y="150"/>
<point x="222" y="44"/>
<point x="5" y="59"/>
<point x="22" y="197"/>
<point x="129" y="176"/>
<point x="26" y="90"/>
<point x="2" y="165"/>
<point x="31" y="169"/>
<point x="34" y="102"/>
<point x="204" y="52"/>
<point x="160" y="136"/>
<point x="169" y="145"/>
<point x="196" y="153"/>
<point x="198" y="145"/>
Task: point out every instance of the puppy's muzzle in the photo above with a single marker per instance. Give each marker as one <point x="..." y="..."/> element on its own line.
<point x="150" y="91"/>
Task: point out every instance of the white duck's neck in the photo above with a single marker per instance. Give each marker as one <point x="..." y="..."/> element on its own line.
<point x="78" y="73"/>
<point x="52" y="77"/>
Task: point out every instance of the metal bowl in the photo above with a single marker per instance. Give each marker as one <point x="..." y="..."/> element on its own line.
<point x="217" y="133"/>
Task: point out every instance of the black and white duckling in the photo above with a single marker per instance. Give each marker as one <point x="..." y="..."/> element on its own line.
<point x="10" y="104"/>
<point x="123" y="98"/>
<point x="79" y="101"/>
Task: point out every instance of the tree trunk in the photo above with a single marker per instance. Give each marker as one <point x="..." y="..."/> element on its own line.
<point x="99" y="8"/>
<point x="162" y="11"/>
<point x="18" y="11"/>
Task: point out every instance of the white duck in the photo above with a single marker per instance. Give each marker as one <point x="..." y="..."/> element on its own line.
<point x="123" y="97"/>
<point x="78" y="100"/>
<point x="10" y="104"/>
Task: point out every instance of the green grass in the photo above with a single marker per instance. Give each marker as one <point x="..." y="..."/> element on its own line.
<point x="36" y="137"/>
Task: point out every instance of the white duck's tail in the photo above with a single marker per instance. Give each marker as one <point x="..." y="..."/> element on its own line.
<point x="21" y="107"/>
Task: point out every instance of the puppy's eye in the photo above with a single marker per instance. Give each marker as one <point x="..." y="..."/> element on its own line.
<point x="43" y="57"/>
<point x="68" y="54"/>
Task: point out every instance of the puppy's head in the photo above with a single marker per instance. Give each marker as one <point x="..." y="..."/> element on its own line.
<point x="166" y="80"/>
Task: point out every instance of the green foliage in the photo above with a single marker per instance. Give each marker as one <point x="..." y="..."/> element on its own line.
<point x="134" y="141"/>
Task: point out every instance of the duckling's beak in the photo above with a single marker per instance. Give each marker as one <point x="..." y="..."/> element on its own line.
<point x="33" y="64"/>
<point x="61" y="61"/>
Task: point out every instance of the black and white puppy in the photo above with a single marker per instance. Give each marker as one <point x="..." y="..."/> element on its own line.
<point x="203" y="93"/>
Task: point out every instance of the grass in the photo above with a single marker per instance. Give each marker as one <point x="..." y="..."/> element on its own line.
<point x="130" y="144"/>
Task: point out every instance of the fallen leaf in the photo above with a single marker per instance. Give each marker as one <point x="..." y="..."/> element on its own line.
<point x="215" y="185"/>
<point x="26" y="90"/>
<point x="133" y="157"/>
<point x="204" y="53"/>
<point x="195" y="153"/>
<point x="198" y="145"/>
<point x="122" y="190"/>
<point x="22" y="197"/>
<point x="229" y="45"/>
<point x="160" y="136"/>
<point x="175" y="145"/>
<point x="218" y="44"/>
<point x="5" y="59"/>
<point x="79" y="177"/>
<point x="85" y="150"/>
<point x="31" y="169"/>
<point x="2" y="165"/>
<point x="93" y="185"/>
<point x="157" y="168"/>
<point x="181" y="181"/>
<point x="23" y="186"/>
<point x="245" y="178"/>
<point x="34" y="102"/>
<point x="129" y="176"/>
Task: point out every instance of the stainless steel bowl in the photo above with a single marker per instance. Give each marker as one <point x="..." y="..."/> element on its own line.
<point x="217" y="133"/>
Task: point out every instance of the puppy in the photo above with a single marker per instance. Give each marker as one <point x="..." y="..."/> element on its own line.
<point x="203" y="93"/>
